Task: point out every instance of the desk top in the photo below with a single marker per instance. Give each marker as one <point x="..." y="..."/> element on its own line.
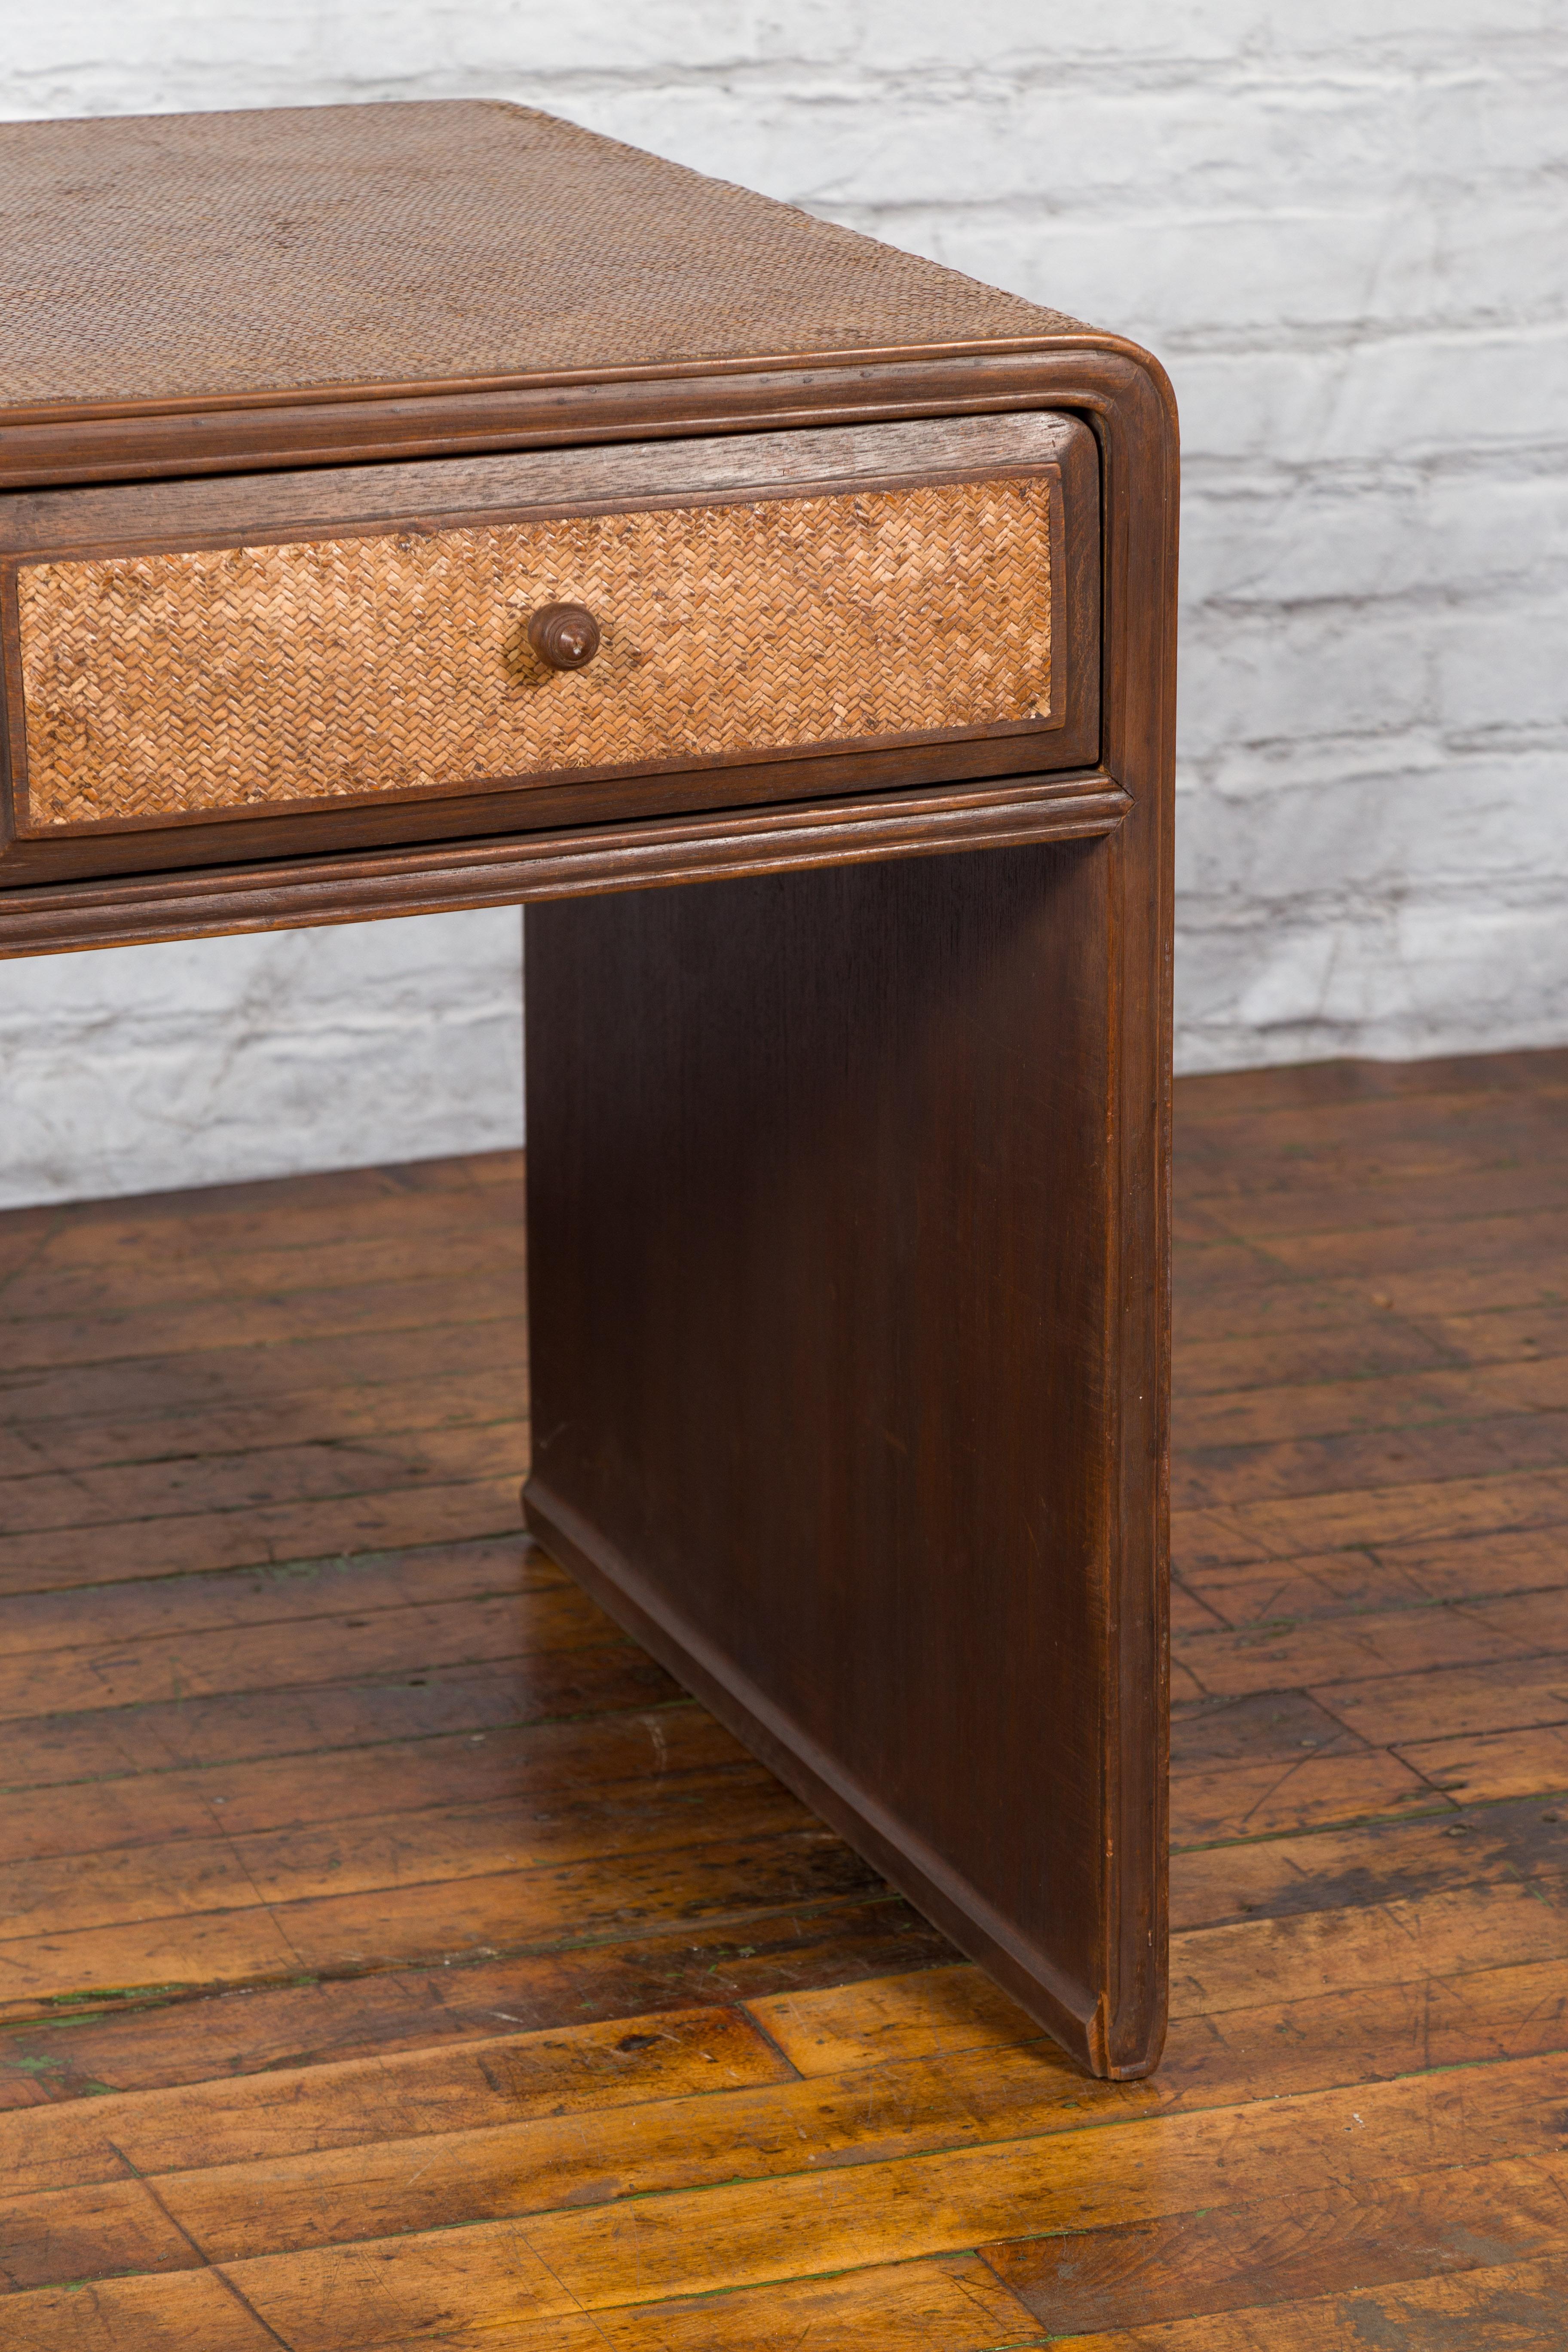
<point x="153" y="262"/>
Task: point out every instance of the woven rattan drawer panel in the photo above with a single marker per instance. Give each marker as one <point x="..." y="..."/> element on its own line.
<point x="166" y="684"/>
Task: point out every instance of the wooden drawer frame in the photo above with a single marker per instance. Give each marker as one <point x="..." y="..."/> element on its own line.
<point x="44" y="539"/>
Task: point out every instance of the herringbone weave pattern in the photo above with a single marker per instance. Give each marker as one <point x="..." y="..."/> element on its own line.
<point x="157" y="685"/>
<point x="446" y="241"/>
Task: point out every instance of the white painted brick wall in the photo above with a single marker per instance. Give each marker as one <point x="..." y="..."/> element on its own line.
<point x="200" y="1061"/>
<point x="1342" y="227"/>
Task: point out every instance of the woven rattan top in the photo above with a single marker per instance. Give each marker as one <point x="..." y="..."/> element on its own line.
<point x="171" y="257"/>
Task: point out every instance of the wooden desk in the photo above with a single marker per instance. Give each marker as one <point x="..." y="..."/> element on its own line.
<point x="419" y="507"/>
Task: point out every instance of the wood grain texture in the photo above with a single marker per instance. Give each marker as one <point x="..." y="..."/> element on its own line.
<point x="732" y="2091"/>
<point x="604" y="477"/>
<point x="776" y="1131"/>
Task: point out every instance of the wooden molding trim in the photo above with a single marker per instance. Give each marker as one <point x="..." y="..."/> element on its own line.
<point x="755" y="398"/>
<point x="364" y="886"/>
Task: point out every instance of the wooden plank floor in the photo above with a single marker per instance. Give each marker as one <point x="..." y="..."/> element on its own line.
<point x="392" y="1955"/>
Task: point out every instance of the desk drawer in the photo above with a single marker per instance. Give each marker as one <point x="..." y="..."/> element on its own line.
<point x="792" y="594"/>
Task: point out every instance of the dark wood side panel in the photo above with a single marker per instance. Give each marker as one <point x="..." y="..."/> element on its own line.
<point x="821" y="1183"/>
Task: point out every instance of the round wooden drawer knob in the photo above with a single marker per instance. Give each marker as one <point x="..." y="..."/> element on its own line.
<point x="565" y="636"/>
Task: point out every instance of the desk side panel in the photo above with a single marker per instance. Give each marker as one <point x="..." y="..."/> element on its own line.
<point x="820" y="1230"/>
